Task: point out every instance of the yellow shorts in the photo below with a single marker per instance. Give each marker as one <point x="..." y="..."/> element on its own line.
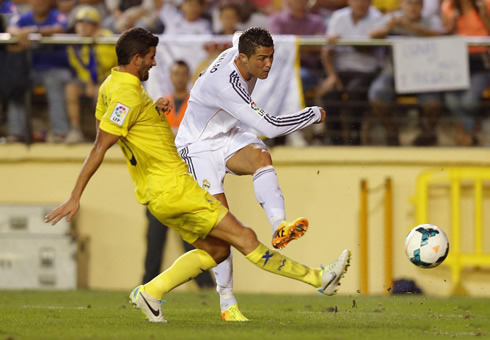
<point x="187" y="208"/>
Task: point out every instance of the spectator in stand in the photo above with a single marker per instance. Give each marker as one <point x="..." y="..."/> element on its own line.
<point x="350" y="70"/>
<point x="431" y="8"/>
<point x="7" y="7"/>
<point x="180" y="74"/>
<point x="7" y="10"/>
<point x="67" y="8"/>
<point x="133" y="13"/>
<point x="70" y="8"/>
<point x="297" y="19"/>
<point x="91" y="65"/>
<point x="22" y="6"/>
<point x="229" y="16"/>
<point x="250" y="14"/>
<point x="186" y="20"/>
<point x="326" y="8"/>
<point x="99" y="5"/>
<point x="408" y="21"/>
<point x="469" y="18"/>
<point x="49" y="68"/>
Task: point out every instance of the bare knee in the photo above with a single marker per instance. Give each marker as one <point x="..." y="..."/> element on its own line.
<point x="219" y="254"/>
<point x="263" y="159"/>
<point x="218" y="249"/>
<point x="232" y="232"/>
<point x="248" y="241"/>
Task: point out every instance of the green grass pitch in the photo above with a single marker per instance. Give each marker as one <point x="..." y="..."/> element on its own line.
<point x="108" y="315"/>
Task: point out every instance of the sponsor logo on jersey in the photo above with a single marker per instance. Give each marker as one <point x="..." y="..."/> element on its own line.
<point x="119" y="114"/>
<point x="205" y="184"/>
<point x="257" y="109"/>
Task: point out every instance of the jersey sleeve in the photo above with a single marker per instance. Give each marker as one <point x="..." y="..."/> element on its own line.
<point x="236" y="101"/>
<point x="120" y="111"/>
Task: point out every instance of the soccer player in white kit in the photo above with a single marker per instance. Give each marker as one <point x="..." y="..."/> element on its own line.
<point x="212" y="142"/>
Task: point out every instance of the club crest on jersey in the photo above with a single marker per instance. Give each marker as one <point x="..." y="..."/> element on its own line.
<point x="257" y="109"/>
<point x="119" y="114"/>
<point x="205" y="184"/>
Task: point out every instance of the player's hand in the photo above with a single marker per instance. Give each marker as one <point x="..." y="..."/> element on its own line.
<point x="23" y="38"/>
<point x="332" y="40"/>
<point x="324" y="114"/>
<point x="164" y="104"/>
<point x="331" y="83"/>
<point x="68" y="208"/>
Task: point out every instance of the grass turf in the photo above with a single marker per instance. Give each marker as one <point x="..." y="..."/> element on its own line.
<point x="107" y="315"/>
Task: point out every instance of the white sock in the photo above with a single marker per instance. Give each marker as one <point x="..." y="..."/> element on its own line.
<point x="223" y="273"/>
<point x="269" y="195"/>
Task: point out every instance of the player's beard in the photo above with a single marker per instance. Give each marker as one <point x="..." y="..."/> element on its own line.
<point x="144" y="72"/>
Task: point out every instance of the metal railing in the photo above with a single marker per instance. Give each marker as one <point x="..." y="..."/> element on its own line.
<point x="70" y="39"/>
<point x="454" y="179"/>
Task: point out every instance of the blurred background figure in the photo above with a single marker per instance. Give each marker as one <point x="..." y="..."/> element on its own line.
<point x="186" y="19"/>
<point x="179" y="77"/>
<point x="408" y="22"/>
<point x="7" y="8"/>
<point x="326" y="8"/>
<point x="125" y="14"/>
<point x="91" y="64"/>
<point x="229" y="17"/>
<point x="49" y="69"/>
<point x="469" y="18"/>
<point x="297" y="19"/>
<point x="250" y="13"/>
<point x="67" y="8"/>
<point x="350" y="71"/>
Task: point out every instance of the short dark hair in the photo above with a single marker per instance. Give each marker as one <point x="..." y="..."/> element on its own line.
<point x="132" y="42"/>
<point x="253" y="38"/>
<point x="180" y="62"/>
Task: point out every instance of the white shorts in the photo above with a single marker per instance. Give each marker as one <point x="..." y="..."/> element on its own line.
<point x="208" y="164"/>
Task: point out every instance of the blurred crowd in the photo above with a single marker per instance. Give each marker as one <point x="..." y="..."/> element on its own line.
<point x="354" y="83"/>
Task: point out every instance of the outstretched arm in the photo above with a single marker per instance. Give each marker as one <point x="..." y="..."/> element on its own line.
<point x="70" y="207"/>
<point x="237" y="102"/>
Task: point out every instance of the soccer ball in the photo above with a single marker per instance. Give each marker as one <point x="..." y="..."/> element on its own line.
<point x="426" y="246"/>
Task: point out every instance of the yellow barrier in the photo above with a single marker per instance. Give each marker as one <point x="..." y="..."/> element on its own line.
<point x="453" y="178"/>
<point x="388" y="235"/>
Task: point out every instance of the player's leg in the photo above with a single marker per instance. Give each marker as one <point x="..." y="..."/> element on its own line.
<point x="325" y="279"/>
<point x="223" y="273"/>
<point x="148" y="297"/>
<point x="208" y="169"/>
<point x="254" y="159"/>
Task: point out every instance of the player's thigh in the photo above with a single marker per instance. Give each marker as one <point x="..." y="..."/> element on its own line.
<point x="187" y="209"/>
<point x="207" y="167"/>
<point x="246" y="154"/>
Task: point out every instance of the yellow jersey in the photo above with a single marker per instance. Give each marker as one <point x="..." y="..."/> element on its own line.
<point x="125" y="109"/>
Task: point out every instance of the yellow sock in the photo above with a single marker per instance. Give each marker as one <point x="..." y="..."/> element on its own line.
<point x="276" y="263"/>
<point x="185" y="268"/>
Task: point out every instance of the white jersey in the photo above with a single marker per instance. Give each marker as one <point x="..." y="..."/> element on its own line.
<point x="220" y="101"/>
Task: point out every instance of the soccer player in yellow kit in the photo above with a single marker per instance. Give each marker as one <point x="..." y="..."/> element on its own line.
<point x="127" y="115"/>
